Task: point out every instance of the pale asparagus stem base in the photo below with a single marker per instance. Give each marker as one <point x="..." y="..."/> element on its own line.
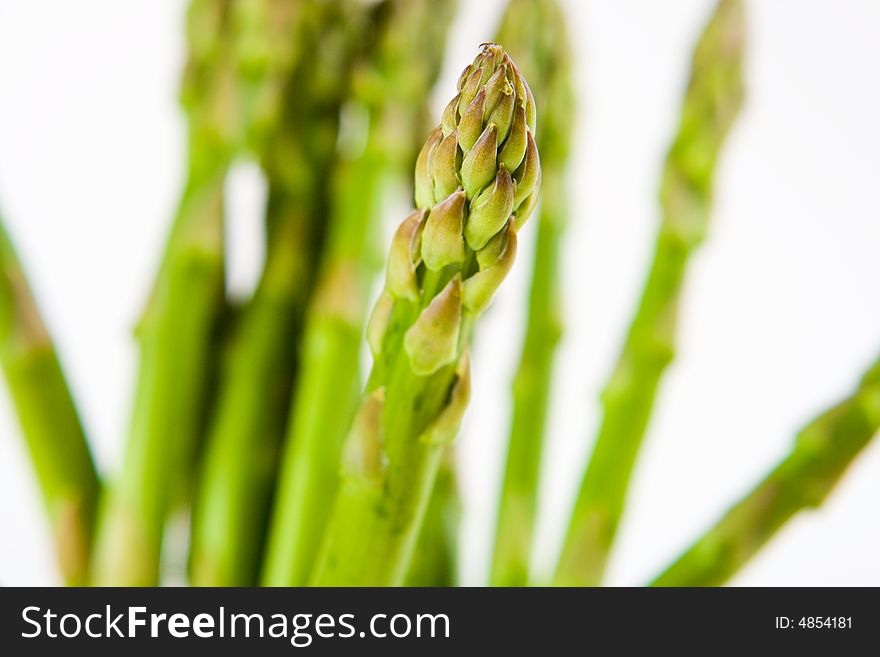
<point x="822" y="452"/>
<point x="711" y="103"/>
<point x="50" y="425"/>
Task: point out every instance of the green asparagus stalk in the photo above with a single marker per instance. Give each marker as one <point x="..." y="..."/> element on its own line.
<point x="389" y="87"/>
<point x="176" y="330"/>
<point x="435" y="559"/>
<point x="711" y="103"/>
<point x="49" y="421"/>
<point x="477" y="180"/>
<point x="534" y="32"/>
<point x="235" y="490"/>
<point x="822" y="452"/>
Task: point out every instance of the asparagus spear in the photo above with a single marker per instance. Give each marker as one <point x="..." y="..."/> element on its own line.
<point x="389" y="86"/>
<point x="435" y="558"/>
<point x="822" y="452"/>
<point x="234" y="495"/>
<point x="49" y="420"/>
<point x="534" y="32"/>
<point x="711" y="103"/>
<point x="175" y="332"/>
<point x="479" y="174"/>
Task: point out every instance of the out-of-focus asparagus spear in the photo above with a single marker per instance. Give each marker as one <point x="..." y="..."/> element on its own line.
<point x="534" y="33"/>
<point x="435" y="558"/>
<point x="822" y="452"/>
<point x="479" y="175"/>
<point x="711" y="103"/>
<point x="175" y="333"/>
<point x="235" y="489"/>
<point x="49" y="420"/>
<point x="391" y="81"/>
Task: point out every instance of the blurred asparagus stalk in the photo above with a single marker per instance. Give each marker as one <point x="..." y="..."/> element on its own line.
<point x="435" y="558"/>
<point x="390" y="85"/>
<point x="822" y="452"/>
<point x="711" y="103"/>
<point x="477" y="180"/>
<point x="235" y="490"/>
<point x="175" y="333"/>
<point x="534" y="33"/>
<point x="49" y="421"/>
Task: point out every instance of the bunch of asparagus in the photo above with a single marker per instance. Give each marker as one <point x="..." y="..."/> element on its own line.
<point x="251" y="416"/>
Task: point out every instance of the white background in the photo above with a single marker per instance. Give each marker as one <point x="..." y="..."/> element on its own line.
<point x="781" y="310"/>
